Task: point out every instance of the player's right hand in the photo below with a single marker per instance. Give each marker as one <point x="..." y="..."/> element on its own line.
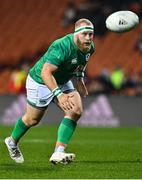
<point x="65" y="102"/>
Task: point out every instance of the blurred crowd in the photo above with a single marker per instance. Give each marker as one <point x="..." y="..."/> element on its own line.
<point x="97" y="11"/>
<point x="13" y="78"/>
<point x="108" y="82"/>
<point x="116" y="82"/>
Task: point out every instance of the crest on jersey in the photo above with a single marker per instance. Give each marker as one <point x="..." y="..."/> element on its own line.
<point x="87" y="56"/>
<point x="74" y="61"/>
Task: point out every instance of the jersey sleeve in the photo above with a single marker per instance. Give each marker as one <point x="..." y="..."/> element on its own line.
<point x="55" y="55"/>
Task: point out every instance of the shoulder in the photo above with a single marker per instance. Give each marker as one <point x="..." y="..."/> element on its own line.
<point x="63" y="42"/>
<point x="62" y="45"/>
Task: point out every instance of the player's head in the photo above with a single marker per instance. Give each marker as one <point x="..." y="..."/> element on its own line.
<point x="83" y="34"/>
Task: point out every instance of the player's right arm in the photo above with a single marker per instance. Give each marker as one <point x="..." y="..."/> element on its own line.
<point x="49" y="80"/>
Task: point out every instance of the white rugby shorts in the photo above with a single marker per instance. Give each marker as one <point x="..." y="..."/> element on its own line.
<point x="38" y="95"/>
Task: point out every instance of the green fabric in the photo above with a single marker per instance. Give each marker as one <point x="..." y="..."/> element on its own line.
<point x="66" y="130"/>
<point x="31" y="103"/>
<point x="19" y="130"/>
<point x="57" y="92"/>
<point x="80" y="74"/>
<point x="64" y="54"/>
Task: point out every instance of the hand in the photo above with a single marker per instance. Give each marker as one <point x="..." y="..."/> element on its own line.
<point x="80" y="85"/>
<point x="65" y="101"/>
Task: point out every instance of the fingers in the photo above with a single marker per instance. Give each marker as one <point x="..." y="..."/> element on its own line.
<point x="66" y="101"/>
<point x="71" y="103"/>
<point x="67" y="105"/>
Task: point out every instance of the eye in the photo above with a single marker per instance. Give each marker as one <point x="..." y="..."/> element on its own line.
<point x="90" y="34"/>
<point x="84" y="33"/>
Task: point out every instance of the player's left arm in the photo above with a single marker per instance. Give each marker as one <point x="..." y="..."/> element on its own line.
<point x="80" y="84"/>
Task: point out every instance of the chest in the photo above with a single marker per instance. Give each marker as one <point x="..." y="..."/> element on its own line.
<point x="76" y="59"/>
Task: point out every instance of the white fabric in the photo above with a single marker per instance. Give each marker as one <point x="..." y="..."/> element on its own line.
<point x="62" y="157"/>
<point x="40" y="95"/>
<point x="60" y="149"/>
<point x="14" y="152"/>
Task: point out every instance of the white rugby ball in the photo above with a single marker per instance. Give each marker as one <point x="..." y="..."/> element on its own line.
<point x="122" y="21"/>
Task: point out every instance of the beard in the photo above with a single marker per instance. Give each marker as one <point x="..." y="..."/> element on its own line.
<point x="83" y="46"/>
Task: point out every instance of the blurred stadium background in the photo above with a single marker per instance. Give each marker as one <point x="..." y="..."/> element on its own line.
<point x="114" y="73"/>
<point x="113" y="78"/>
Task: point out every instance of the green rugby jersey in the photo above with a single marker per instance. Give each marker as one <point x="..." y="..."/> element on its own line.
<point x="66" y="56"/>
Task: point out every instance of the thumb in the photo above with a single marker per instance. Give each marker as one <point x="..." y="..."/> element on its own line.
<point x="71" y="95"/>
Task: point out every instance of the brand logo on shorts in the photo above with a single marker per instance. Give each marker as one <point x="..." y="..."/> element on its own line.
<point x="42" y="101"/>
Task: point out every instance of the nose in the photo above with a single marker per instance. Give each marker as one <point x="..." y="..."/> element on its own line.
<point x="88" y="37"/>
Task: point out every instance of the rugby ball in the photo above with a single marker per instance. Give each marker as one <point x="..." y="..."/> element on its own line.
<point x="122" y="21"/>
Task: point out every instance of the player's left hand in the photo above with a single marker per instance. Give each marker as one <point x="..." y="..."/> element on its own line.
<point x="80" y="85"/>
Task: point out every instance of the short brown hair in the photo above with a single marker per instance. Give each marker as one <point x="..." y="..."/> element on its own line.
<point x="83" y="21"/>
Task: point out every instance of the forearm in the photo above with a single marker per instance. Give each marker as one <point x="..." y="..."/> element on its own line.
<point x="49" y="80"/>
<point x="81" y="87"/>
<point x="80" y="81"/>
<point x="51" y="83"/>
